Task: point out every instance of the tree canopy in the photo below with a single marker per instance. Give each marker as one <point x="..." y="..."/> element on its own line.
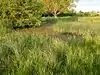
<point x="57" y="6"/>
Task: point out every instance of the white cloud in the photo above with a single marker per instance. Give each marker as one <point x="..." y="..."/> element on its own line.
<point x="88" y="5"/>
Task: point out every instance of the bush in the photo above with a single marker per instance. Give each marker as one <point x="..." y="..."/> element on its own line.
<point x="21" y="13"/>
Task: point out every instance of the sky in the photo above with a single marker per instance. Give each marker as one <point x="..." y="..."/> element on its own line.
<point x="88" y="5"/>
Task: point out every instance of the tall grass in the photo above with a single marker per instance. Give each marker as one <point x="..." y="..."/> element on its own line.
<point x="72" y="26"/>
<point x="25" y="54"/>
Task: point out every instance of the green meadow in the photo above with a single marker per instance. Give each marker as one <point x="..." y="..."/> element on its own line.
<point x="72" y="48"/>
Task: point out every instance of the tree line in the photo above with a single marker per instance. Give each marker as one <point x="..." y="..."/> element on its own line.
<point x="24" y="13"/>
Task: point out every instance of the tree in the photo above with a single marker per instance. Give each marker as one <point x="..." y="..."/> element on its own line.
<point x="21" y="13"/>
<point x="58" y="6"/>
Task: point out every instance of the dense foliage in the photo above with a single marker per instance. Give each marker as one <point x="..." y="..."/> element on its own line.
<point x="20" y="13"/>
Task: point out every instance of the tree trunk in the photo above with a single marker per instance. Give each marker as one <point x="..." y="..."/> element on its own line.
<point x="55" y="14"/>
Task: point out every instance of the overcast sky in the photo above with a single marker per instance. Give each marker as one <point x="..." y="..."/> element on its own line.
<point x="88" y="5"/>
